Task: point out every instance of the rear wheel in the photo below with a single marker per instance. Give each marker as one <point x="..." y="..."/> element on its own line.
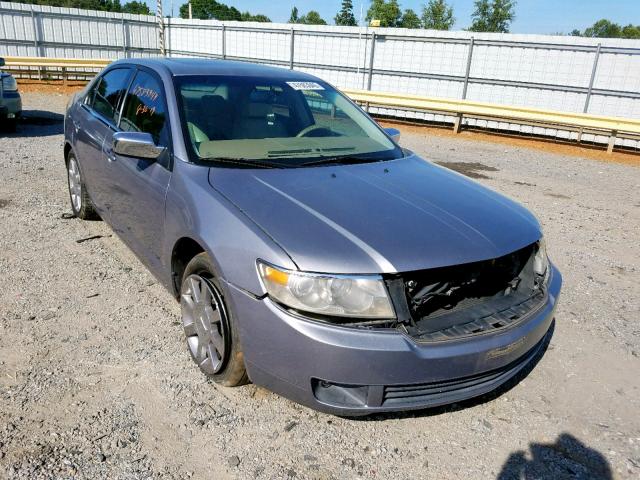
<point x="11" y="125"/>
<point x="80" y="202"/>
<point x="209" y="326"/>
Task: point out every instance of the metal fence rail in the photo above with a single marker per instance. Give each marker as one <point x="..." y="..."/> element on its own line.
<point x="611" y="126"/>
<point x="569" y="74"/>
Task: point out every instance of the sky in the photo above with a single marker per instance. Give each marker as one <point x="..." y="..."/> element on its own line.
<point x="532" y="16"/>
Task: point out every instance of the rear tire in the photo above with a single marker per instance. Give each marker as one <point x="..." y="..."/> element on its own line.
<point x="12" y="125"/>
<point x="209" y="325"/>
<point x="81" y="204"/>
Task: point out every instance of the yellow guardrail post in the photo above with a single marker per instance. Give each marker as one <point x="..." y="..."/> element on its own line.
<point x="612" y="141"/>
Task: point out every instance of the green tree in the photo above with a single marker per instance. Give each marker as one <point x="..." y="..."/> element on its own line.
<point x="388" y="12"/>
<point x="293" y="18"/>
<point x="312" y="18"/>
<point x="603" y="29"/>
<point x="249" y="17"/>
<point x="437" y="15"/>
<point x="111" y="5"/>
<point x="631" y="31"/>
<point x="135" y="7"/>
<point x="345" y="16"/>
<point x="410" y="19"/>
<point x="209" y="10"/>
<point x="607" y="29"/>
<point x="494" y="16"/>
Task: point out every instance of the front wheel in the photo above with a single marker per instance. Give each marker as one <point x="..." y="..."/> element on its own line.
<point x="209" y="327"/>
<point x="80" y="202"/>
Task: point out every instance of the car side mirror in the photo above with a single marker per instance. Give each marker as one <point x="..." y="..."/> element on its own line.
<point x="394" y="133"/>
<point x="1" y="62"/>
<point x="136" y="144"/>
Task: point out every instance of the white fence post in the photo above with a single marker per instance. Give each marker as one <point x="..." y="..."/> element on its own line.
<point x="593" y="77"/>
<point x="36" y="39"/>
<point x="371" y="58"/>
<point x="292" y="48"/>
<point x="224" y="42"/>
<point x="457" y="123"/>
<point x="160" y="19"/>
<point x="125" y="40"/>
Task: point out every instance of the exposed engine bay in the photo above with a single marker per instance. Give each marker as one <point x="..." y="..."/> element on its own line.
<point x="450" y="302"/>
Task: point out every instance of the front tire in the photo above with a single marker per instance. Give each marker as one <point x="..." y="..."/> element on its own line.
<point x="81" y="204"/>
<point x="209" y="325"/>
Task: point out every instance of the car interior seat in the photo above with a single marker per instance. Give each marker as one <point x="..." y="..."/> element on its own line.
<point x="258" y="120"/>
<point x="209" y="118"/>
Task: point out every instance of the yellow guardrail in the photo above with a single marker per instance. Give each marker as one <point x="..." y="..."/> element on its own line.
<point x="45" y="67"/>
<point x="54" y="62"/>
<point x="611" y="125"/>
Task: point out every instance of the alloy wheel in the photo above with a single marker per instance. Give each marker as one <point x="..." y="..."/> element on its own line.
<point x="75" y="184"/>
<point x="205" y="323"/>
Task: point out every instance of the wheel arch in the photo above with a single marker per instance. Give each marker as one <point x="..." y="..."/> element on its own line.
<point x="184" y="249"/>
<point x="67" y="150"/>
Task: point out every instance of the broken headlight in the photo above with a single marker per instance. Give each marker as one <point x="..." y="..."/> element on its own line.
<point x="541" y="261"/>
<point x="362" y="296"/>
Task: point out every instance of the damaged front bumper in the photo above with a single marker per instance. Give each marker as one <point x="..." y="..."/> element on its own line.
<point x="351" y="371"/>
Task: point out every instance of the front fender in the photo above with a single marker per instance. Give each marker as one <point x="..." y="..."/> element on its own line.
<point x="234" y="242"/>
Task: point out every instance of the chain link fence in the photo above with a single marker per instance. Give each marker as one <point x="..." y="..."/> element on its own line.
<point x="549" y="72"/>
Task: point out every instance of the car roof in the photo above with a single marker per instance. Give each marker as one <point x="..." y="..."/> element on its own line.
<point x="199" y="66"/>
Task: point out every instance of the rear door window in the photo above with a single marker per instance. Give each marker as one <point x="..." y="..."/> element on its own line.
<point x="106" y="96"/>
<point x="145" y="109"/>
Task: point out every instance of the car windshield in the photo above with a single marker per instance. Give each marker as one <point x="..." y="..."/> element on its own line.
<point x="276" y="122"/>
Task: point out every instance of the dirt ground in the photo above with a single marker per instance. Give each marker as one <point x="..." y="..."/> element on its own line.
<point x="96" y="380"/>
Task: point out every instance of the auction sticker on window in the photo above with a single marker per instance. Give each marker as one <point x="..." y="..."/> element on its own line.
<point x="305" y="86"/>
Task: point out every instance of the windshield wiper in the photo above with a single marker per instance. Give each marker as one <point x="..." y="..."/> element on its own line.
<point x="280" y="153"/>
<point x="304" y="151"/>
<point x="343" y="160"/>
<point x="244" y="162"/>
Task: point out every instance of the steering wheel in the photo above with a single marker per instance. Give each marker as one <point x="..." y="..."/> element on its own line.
<point x="305" y="131"/>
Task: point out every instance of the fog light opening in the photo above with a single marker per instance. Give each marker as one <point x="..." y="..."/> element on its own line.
<point x="340" y="395"/>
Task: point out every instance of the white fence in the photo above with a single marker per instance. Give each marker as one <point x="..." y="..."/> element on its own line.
<point x="42" y="31"/>
<point x="550" y="72"/>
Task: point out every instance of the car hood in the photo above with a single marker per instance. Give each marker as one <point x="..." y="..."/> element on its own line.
<point x="396" y="216"/>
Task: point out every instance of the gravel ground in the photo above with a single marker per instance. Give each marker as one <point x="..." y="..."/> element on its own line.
<point x="96" y="381"/>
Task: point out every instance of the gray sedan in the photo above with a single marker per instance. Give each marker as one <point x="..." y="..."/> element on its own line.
<point x="310" y="253"/>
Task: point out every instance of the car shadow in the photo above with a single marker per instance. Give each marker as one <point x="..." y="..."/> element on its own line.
<point x="566" y="458"/>
<point x="472" y="402"/>
<point x="38" y="123"/>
